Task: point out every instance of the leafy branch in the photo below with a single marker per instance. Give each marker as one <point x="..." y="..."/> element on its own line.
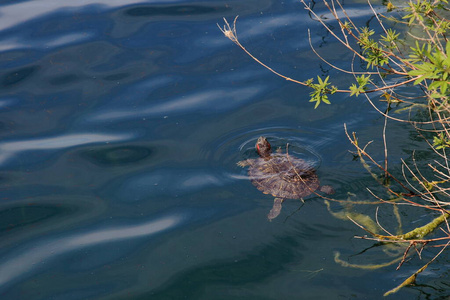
<point x="417" y="57"/>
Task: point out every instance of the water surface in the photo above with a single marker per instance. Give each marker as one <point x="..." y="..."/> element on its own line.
<point x="121" y="126"/>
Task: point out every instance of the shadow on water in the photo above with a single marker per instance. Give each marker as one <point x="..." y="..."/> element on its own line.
<point x="121" y="155"/>
<point x="252" y="269"/>
<point x="17" y="76"/>
<point x="16" y="218"/>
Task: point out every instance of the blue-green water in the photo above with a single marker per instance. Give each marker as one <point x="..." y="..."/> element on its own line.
<point x="121" y="126"/>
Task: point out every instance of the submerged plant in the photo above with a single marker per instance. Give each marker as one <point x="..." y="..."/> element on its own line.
<point x="418" y="57"/>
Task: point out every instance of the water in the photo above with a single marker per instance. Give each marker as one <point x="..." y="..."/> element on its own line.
<point x="121" y="126"/>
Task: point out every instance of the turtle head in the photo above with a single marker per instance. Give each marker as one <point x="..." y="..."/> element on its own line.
<point x="263" y="147"/>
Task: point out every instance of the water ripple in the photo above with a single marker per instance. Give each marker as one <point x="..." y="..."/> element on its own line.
<point x="21" y="12"/>
<point x="26" y="261"/>
<point x="174" y="182"/>
<point x="62" y="40"/>
<point x="217" y="100"/>
<point x="9" y="149"/>
<point x="239" y="145"/>
<point x="248" y="29"/>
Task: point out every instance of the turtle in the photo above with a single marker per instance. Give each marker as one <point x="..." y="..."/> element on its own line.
<point x="282" y="175"/>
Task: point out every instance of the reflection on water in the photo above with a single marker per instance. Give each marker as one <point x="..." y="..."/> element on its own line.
<point x="23" y="11"/>
<point x="174" y="10"/>
<point x="207" y="101"/>
<point x="22" y="263"/>
<point x="162" y="182"/>
<point x="10" y="149"/>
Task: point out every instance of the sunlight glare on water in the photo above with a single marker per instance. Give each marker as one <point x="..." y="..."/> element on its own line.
<point x="23" y="263"/>
<point x="11" y="149"/>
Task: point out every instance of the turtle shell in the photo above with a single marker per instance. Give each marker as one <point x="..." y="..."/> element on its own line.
<point x="283" y="176"/>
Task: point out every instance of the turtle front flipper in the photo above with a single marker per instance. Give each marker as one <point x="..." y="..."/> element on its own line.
<point x="275" y="211"/>
<point x="245" y="163"/>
